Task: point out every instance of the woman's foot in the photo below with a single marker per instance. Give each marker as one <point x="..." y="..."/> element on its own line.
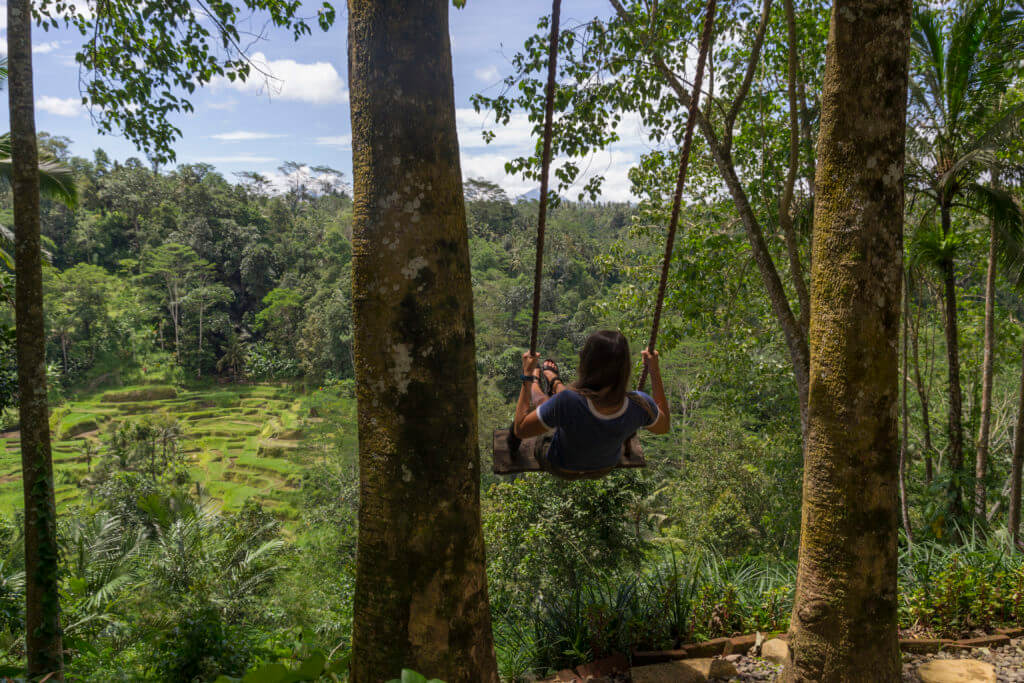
<point x="550" y="371"/>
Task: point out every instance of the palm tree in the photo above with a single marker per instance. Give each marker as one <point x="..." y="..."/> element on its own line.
<point x="964" y="59"/>
<point x="56" y="182"/>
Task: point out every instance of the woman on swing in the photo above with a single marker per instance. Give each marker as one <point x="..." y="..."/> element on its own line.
<point x="591" y="419"/>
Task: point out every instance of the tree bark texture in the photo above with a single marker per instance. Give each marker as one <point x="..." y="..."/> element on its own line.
<point x="843" y="626"/>
<point x="42" y="613"/>
<point x="1018" y="460"/>
<point x="421" y="593"/>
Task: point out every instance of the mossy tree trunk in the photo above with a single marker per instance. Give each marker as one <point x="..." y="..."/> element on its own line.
<point x="42" y="613"/>
<point x="843" y="626"/>
<point x="421" y="593"/>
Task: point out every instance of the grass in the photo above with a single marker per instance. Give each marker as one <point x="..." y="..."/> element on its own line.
<point x="241" y="441"/>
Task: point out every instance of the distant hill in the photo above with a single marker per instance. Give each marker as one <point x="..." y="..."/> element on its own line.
<point x="534" y="196"/>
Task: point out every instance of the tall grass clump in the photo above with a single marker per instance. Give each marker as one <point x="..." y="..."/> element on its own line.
<point x="952" y="590"/>
<point x="675" y="599"/>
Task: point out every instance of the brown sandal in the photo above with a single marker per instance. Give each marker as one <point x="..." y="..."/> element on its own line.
<point x="547" y="366"/>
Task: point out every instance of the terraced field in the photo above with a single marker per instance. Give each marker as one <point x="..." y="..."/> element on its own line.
<point x="240" y="441"/>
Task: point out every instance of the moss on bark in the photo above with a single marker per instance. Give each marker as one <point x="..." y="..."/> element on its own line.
<point x="421" y="594"/>
<point x="844" y="616"/>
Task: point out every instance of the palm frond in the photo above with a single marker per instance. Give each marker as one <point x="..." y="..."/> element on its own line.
<point x="929" y="247"/>
<point x="56" y="181"/>
<point x="1007" y="217"/>
<point x="997" y="134"/>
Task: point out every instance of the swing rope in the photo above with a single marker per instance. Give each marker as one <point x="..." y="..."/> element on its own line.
<point x="542" y="216"/>
<point x="677" y="198"/>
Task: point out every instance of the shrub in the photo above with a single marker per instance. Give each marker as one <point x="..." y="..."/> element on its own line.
<point x="200" y="646"/>
<point x="948" y="591"/>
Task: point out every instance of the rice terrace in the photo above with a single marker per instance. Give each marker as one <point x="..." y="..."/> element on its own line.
<point x="236" y="442"/>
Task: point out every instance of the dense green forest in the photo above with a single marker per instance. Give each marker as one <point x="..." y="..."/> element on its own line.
<point x="201" y="363"/>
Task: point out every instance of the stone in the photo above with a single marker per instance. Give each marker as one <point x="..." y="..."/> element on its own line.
<point x="775" y="650"/>
<point x="709" y="648"/>
<point x="997" y="640"/>
<point x="666" y="672"/>
<point x="740" y="645"/>
<point x="567" y="675"/>
<point x="712" y="668"/>
<point x="957" y="671"/>
<point x="657" y="656"/>
<point x="921" y="646"/>
<point x="602" y="668"/>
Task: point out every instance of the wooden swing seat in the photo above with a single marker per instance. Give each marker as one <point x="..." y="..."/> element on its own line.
<point x="524" y="458"/>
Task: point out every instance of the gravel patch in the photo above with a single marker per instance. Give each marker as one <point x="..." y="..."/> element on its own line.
<point x="753" y="668"/>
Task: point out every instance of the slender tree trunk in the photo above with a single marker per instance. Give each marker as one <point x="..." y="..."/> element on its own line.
<point x="1018" y="460"/>
<point x="956" y="429"/>
<point x="720" y="149"/>
<point x="905" y="414"/>
<point x="42" y="604"/>
<point x="421" y="591"/>
<point x="981" y="459"/>
<point x="922" y="395"/>
<point x="64" y="351"/>
<point x="843" y="626"/>
<point x="786" y="203"/>
<point x="199" y="362"/>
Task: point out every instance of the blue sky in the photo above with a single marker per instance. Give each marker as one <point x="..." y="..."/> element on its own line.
<point x="242" y="127"/>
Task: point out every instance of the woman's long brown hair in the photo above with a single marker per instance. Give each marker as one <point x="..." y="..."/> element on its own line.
<point x="604" y="369"/>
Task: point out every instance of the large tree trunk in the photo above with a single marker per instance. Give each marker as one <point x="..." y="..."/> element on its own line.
<point x="843" y="626"/>
<point x="1018" y="460"/>
<point x="786" y="203"/>
<point x="421" y="592"/>
<point x="956" y="429"/>
<point x="42" y="605"/>
<point x="981" y="459"/>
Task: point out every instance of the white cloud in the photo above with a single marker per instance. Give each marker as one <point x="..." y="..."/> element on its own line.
<point x="240" y="159"/>
<point x="517" y="134"/>
<point x="226" y="105"/>
<point x="318" y="82"/>
<point x="243" y="135"/>
<point x="342" y="141"/>
<point x="58" y="106"/>
<point x="487" y="74"/>
<point x="3" y="19"/>
<point x="43" y="48"/>
<point x="487" y="160"/>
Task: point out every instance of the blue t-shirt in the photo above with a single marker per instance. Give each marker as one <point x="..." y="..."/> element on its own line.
<point x="584" y="439"/>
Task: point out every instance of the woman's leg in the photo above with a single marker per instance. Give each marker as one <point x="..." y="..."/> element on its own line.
<point x="536" y="395"/>
<point x="551" y="375"/>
